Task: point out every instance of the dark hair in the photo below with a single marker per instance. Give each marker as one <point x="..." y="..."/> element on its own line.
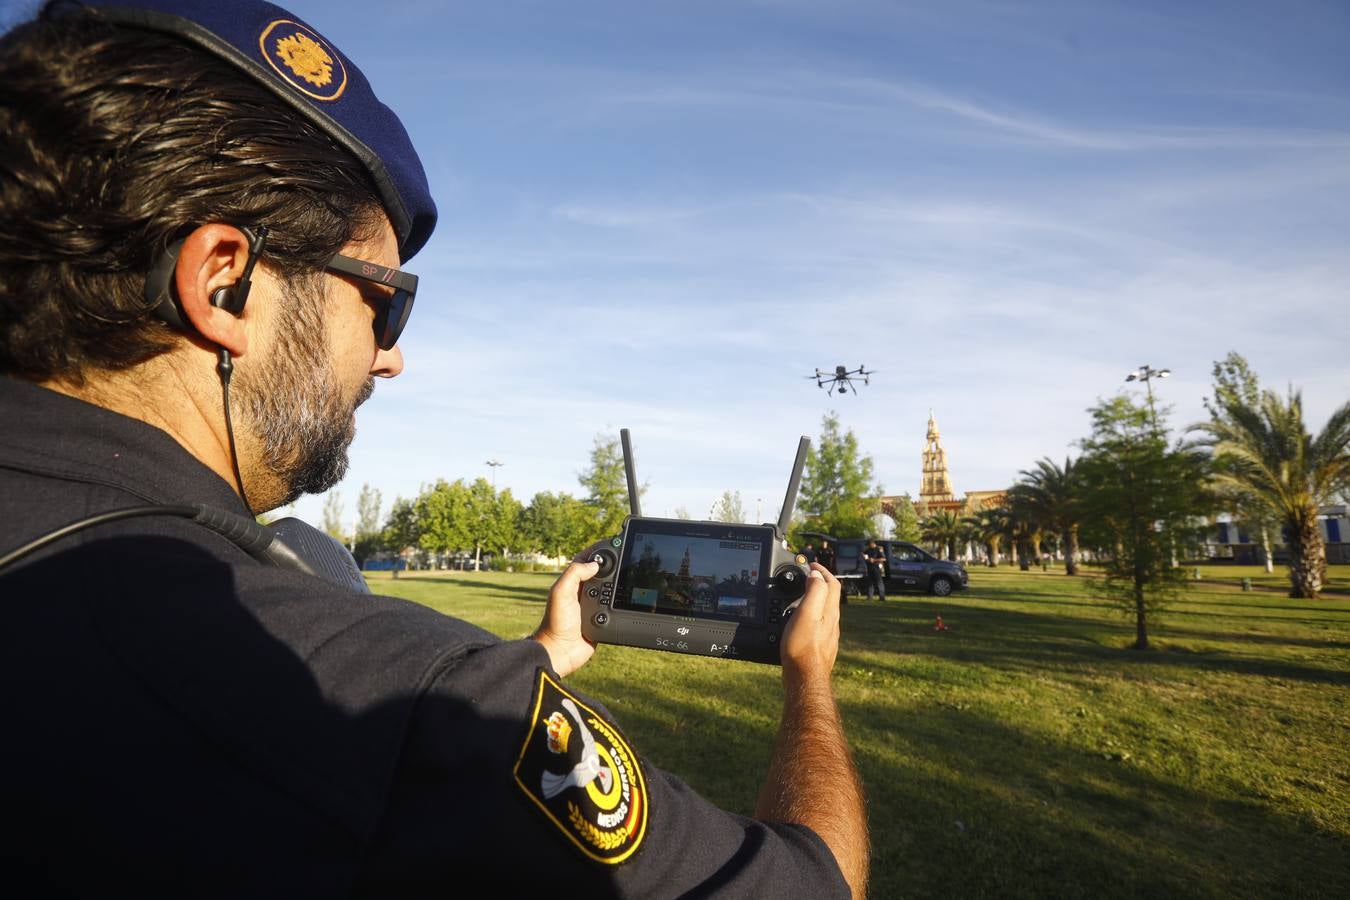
<point x="114" y="142"/>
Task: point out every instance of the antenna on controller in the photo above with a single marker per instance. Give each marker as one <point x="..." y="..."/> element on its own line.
<point x="790" y="501"/>
<point x="634" y="501"/>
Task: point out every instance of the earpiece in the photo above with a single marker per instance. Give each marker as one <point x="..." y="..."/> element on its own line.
<point x="224" y="298"/>
<point x="162" y="294"/>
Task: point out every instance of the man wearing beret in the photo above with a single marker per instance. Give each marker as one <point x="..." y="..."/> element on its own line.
<point x="204" y="216"/>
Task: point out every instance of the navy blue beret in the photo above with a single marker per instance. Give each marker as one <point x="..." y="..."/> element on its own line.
<point x="302" y="68"/>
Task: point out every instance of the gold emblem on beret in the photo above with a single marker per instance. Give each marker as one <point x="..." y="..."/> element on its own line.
<point x="303" y="59"/>
<point x="306" y="58"/>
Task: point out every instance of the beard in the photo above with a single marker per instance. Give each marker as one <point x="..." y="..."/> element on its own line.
<point x="296" y="407"/>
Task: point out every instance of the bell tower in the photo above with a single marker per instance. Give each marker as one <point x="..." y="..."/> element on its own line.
<point x="937" y="483"/>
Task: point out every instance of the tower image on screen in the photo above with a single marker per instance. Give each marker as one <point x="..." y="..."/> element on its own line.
<point x="713" y="576"/>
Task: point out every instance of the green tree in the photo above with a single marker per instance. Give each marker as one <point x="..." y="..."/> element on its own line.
<point x="606" y="486"/>
<point x="944" y="529"/>
<point x="1139" y="498"/>
<point x="1018" y="530"/>
<point x="1264" y="452"/>
<point x="402" y="529"/>
<point x="728" y="508"/>
<point x="990" y="526"/>
<point x="906" y="521"/>
<point x="837" y="487"/>
<point x="442" y="513"/>
<point x="1235" y="384"/>
<point x="368" y="504"/>
<point x="1051" y="497"/>
<point x="493" y="517"/>
<point x="557" y="524"/>
<point x="368" y="538"/>
<point x="457" y="517"/>
<point x="332" y="516"/>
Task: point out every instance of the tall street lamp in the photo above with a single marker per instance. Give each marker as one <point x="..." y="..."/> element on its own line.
<point x="477" y="545"/>
<point x="1146" y="374"/>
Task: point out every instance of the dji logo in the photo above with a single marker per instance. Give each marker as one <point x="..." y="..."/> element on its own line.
<point x="682" y="630"/>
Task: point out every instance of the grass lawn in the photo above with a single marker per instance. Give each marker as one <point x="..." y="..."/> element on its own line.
<point x="1025" y="751"/>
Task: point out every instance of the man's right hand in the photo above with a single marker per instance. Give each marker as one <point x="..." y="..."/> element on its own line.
<point x="811" y="637"/>
<point x="811" y="778"/>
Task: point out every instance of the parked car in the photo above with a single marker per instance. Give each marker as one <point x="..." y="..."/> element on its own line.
<point x="908" y="567"/>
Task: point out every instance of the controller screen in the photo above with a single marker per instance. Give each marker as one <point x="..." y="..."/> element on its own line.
<point x="692" y="575"/>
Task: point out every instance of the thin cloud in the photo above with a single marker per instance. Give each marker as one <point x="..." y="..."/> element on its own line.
<point x="625" y="216"/>
<point x="1049" y="132"/>
<point x="813" y="92"/>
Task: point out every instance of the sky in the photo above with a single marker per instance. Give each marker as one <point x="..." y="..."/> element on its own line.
<point x="662" y="216"/>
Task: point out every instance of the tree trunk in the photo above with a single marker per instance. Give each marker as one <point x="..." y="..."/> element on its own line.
<point x="1071" y="551"/>
<point x="1307" y="555"/>
<point x="1265" y="548"/>
<point x="1024" y="554"/>
<point x="1140" y="619"/>
<point x="992" y="547"/>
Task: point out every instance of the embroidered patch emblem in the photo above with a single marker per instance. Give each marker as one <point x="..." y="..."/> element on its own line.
<point x="304" y="59"/>
<point x="582" y="774"/>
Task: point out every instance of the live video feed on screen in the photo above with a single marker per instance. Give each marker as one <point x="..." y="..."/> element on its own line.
<point x="710" y="576"/>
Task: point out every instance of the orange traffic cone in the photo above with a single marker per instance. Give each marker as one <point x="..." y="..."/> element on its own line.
<point x="938" y="626"/>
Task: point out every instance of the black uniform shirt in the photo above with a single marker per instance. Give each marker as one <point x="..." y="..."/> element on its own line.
<point x="876" y="558"/>
<point x="180" y="719"/>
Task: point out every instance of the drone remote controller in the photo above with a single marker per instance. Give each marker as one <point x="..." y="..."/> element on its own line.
<point x="706" y="588"/>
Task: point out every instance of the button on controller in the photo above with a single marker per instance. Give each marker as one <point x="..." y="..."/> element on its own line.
<point x="789" y="582"/>
<point x="606" y="560"/>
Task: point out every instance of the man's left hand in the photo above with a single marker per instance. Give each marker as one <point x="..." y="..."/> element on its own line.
<point x="560" y="631"/>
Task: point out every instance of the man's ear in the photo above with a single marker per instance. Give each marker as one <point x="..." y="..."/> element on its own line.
<point x="213" y="257"/>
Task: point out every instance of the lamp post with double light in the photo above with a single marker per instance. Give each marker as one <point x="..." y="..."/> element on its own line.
<point x="477" y="544"/>
<point x="1146" y="374"/>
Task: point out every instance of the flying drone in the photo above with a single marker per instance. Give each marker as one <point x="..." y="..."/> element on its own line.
<point x="840" y="377"/>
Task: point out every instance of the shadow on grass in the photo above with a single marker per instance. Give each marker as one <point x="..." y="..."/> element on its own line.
<point x="1238" y="637"/>
<point x="1009" y="639"/>
<point x="485" y="586"/>
<point x="963" y="806"/>
<point x="1240" y="612"/>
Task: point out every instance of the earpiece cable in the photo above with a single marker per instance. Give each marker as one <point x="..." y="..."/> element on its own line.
<point x="226" y="368"/>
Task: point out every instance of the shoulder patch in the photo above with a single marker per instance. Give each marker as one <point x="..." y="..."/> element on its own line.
<point x="303" y="59"/>
<point x="580" y="772"/>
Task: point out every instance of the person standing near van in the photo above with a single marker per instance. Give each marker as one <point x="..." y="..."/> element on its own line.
<point x="875" y="558"/>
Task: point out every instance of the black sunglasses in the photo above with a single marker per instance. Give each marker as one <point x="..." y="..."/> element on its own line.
<point x="396" y="308"/>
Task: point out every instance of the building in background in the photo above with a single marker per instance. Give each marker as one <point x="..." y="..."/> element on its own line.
<point x="935" y="484"/>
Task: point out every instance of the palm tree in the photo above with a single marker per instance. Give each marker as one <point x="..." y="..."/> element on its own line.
<point x="989" y="525"/>
<point x="1051" y="498"/>
<point x="1022" y="532"/>
<point x="943" y="528"/>
<point x="1010" y="523"/>
<point x="1263" y="450"/>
